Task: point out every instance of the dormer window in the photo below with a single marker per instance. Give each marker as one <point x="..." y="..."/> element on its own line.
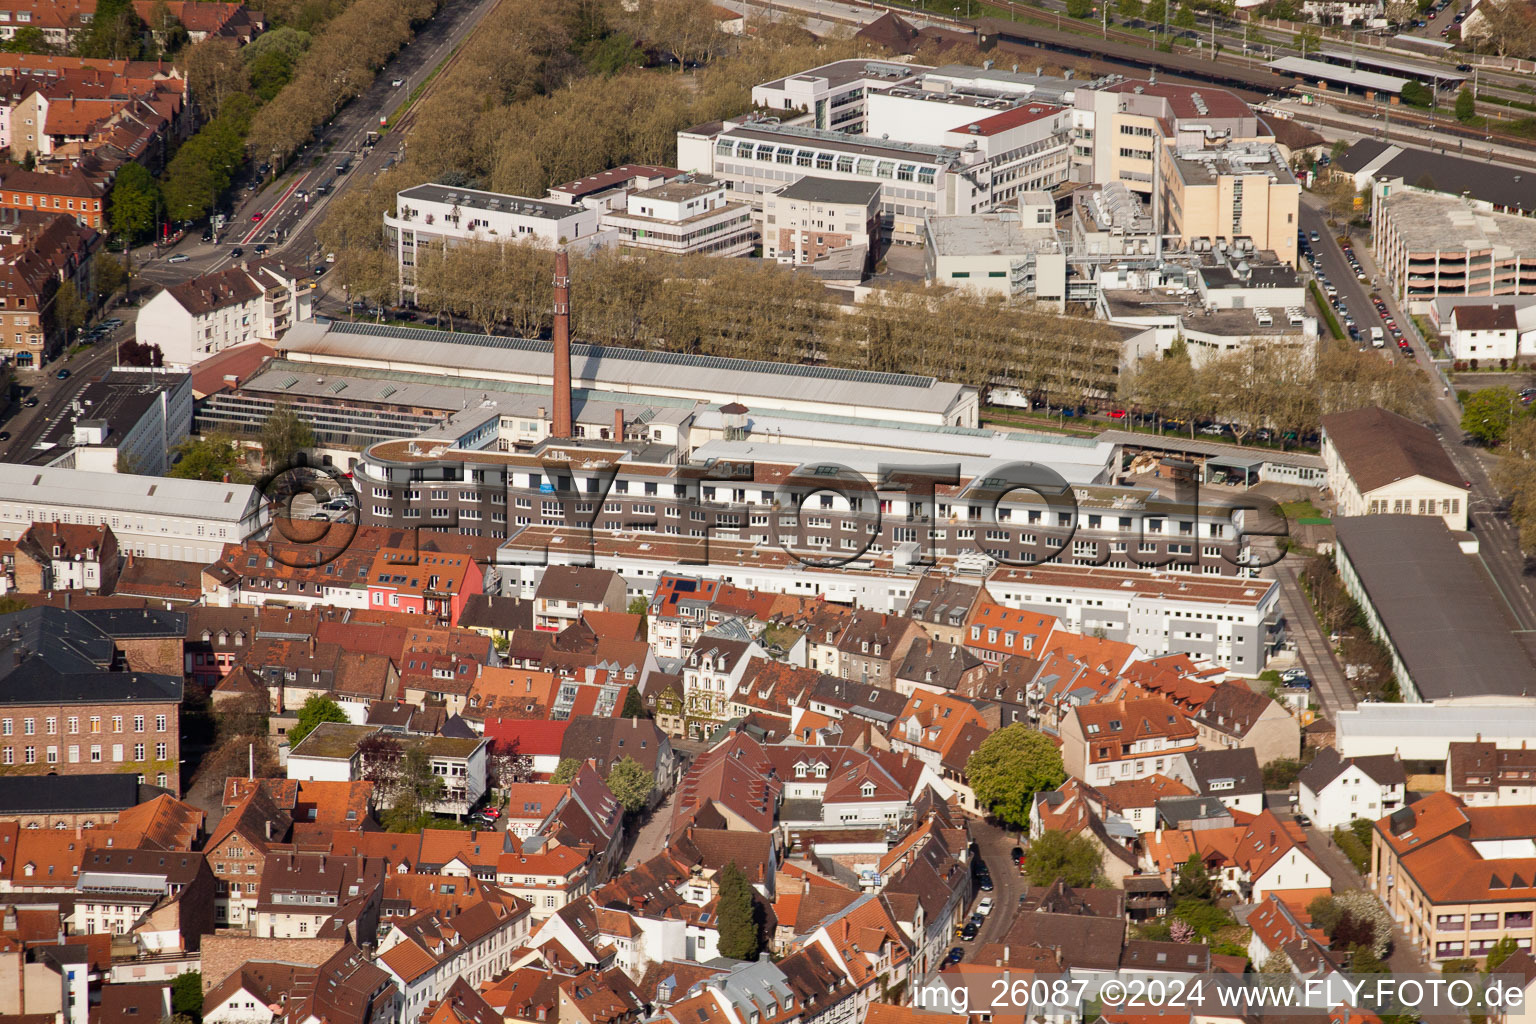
<point x="867" y="790"/>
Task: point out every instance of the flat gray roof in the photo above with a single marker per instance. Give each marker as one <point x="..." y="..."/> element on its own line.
<point x="812" y="189"/>
<point x="126" y="492"/>
<point x="464" y="354"/>
<point x="1439" y="612"/>
<point x="495" y="201"/>
<point x="1441" y="223"/>
<point x="1321" y="69"/>
<point x="991" y="234"/>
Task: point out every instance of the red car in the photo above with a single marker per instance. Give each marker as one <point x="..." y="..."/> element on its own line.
<point x="490" y="812"/>
<point x="257" y="215"/>
<point x="1118" y="414"/>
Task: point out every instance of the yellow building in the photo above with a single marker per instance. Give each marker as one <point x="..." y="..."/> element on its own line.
<point x="1230" y="192"/>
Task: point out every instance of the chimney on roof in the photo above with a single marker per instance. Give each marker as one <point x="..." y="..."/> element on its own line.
<point x="562" y="348"/>
<point x="618" y="424"/>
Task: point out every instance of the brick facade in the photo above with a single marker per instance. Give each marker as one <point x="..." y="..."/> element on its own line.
<point x="52" y="738"/>
<point x="224" y="953"/>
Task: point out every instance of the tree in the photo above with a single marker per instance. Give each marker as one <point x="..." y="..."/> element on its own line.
<point x="1079" y="8"/>
<point x="380" y="756"/>
<point x="1194" y="881"/>
<point x="510" y="765"/>
<point x="631" y="784"/>
<point x="187" y="994"/>
<point x="684" y="28"/>
<point x="69" y="308"/>
<point x="29" y="39"/>
<point x="565" y="771"/>
<point x="737" y="916"/>
<point x="634" y="704"/>
<point x="1129" y="10"/>
<point x="210" y="457"/>
<point x="316" y="709"/>
<point x="134" y="202"/>
<point x="1502" y="950"/>
<point x="138" y="353"/>
<point x="1399" y="11"/>
<point x="1486" y="414"/>
<point x="115" y="32"/>
<point x="1276" y="963"/>
<point x="284" y="436"/>
<point x="1416" y="94"/>
<point x="1076" y="860"/>
<point x="1181" y="931"/>
<point x="1156" y="10"/>
<point x="1185" y="19"/>
<point x="1466" y="106"/>
<point x="417" y="788"/>
<point x="107" y="274"/>
<point x="1009" y="767"/>
<point x="1353" y="919"/>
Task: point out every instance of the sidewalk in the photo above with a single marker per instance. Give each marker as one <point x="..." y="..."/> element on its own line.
<point x="1333" y="691"/>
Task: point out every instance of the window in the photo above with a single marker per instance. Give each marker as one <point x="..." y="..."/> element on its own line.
<point x="159" y="751"/>
<point x="159" y="723"/>
<point x="29" y="726"/>
<point x="138" y="723"/>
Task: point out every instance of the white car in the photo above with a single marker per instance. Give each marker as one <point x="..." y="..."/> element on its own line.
<point x="397" y="83"/>
<point x="985" y="906"/>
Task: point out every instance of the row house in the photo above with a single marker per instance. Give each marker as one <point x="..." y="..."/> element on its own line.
<point x="308" y="895"/>
<point x="930" y="724"/>
<point x="713" y="673"/>
<point x="1334" y="791"/>
<point x="250" y="302"/>
<point x="1486" y="775"/>
<point x="238" y="850"/>
<point x="566" y="592"/>
<point x="1236" y="716"/>
<point x="1124" y="739"/>
<point x="163" y="899"/>
<point x="67" y="556"/>
<point x="427" y="953"/>
<point x="866" y="944"/>
<point x="1078" y="809"/>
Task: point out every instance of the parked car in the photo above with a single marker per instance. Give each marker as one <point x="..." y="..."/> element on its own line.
<point x="1018" y="851"/>
<point x="985" y="906"/>
<point x="30" y="403"/>
<point x="968" y="933"/>
<point x="984" y="883"/>
<point x="5" y="435"/>
<point x="955" y="956"/>
<point x="62" y="375"/>
<point x="180" y="257"/>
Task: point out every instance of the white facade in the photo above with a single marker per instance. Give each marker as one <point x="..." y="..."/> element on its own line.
<point x="437" y="214"/>
<point x="684" y="219"/>
<point x="1294" y="870"/>
<point x="156" y="517"/>
<point x="1351" y="794"/>
<point x="915" y="180"/>
<point x="1413" y="495"/>
<point x="1008" y="254"/>
<point x="206" y="315"/>
<point x="833" y="97"/>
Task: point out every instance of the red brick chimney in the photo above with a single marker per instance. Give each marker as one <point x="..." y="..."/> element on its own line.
<point x="618" y="424"/>
<point x="562" y="388"/>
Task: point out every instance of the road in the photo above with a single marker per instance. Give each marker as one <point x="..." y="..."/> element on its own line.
<point x="1331" y="688"/>
<point x="1499" y="547"/>
<point x="289" y="210"/>
<point x="54" y="395"/>
<point x="996" y="851"/>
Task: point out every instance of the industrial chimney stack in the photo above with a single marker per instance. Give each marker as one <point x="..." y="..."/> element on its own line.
<point x="562" y="345"/>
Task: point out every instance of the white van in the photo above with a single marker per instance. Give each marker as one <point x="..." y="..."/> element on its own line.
<point x="1378" y="338"/>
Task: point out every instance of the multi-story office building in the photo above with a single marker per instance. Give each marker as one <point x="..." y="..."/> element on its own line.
<point x="1228" y="193"/>
<point x="832" y="97"/>
<point x="813" y="217"/>
<point x="755" y="157"/>
<point x="437" y="214"/>
<point x="684" y="218"/>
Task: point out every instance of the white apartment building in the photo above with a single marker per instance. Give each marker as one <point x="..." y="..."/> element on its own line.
<point x="251" y="301"/>
<point x="155" y="517"/>
<point x="1226" y="620"/>
<point x="432" y="214"/>
<point x="685" y="218"/>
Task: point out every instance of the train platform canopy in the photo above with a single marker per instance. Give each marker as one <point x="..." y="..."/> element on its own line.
<point x="1425" y="73"/>
<point x="1348" y="77"/>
